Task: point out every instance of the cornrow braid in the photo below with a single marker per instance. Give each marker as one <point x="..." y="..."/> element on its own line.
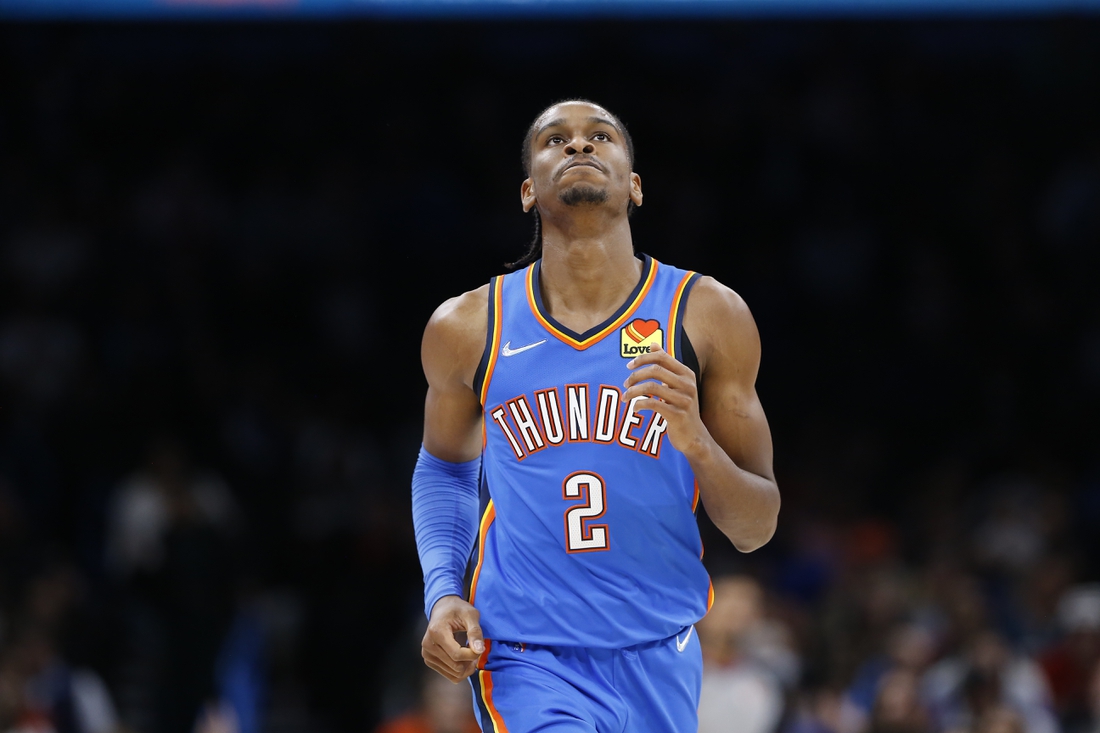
<point x="534" y="249"/>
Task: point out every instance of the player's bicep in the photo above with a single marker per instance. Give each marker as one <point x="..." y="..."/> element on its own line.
<point x="453" y="342"/>
<point x="452" y="424"/>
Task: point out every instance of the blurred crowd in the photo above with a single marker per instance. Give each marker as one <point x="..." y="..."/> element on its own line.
<point x="218" y="248"/>
<point x="909" y="651"/>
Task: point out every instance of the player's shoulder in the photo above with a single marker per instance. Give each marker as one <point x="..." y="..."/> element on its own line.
<point x="456" y="331"/>
<point x="459" y="314"/>
<point x="718" y="321"/>
<point x="718" y="304"/>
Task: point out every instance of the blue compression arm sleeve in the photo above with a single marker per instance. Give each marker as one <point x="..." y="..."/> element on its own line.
<point x="444" y="505"/>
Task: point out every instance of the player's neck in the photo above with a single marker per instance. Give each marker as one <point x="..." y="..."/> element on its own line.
<point x="584" y="279"/>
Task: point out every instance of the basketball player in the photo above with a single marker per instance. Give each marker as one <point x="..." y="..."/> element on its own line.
<point x="577" y="411"/>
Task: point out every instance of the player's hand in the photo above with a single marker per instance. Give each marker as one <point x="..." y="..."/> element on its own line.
<point x="441" y="651"/>
<point x="674" y="394"/>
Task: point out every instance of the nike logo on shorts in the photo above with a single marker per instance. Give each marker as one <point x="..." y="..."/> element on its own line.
<point x="512" y="352"/>
<point x="682" y="645"/>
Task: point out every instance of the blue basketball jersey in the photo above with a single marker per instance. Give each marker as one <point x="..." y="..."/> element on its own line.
<point x="588" y="534"/>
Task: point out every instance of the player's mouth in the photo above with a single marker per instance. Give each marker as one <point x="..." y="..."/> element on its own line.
<point x="585" y="162"/>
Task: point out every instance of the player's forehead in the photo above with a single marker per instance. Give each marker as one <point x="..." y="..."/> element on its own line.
<point x="573" y="113"/>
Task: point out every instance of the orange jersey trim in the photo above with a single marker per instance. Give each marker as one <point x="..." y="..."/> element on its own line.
<point x="674" y="315"/>
<point x="596" y="337"/>
<point x="486" y="679"/>
<point x="495" y="325"/>
<point x="694" y="505"/>
<point x="710" y="594"/>
<point x="486" y="521"/>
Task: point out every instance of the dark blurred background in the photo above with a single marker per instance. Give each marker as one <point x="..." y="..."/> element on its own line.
<point x="219" y="245"/>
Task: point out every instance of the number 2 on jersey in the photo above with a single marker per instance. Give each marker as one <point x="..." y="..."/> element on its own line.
<point x="580" y="536"/>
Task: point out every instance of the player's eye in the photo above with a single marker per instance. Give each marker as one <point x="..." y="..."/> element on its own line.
<point x="602" y="137"/>
<point x="555" y="139"/>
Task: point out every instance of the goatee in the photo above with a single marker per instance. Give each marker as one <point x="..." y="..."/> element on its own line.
<point x="578" y="195"/>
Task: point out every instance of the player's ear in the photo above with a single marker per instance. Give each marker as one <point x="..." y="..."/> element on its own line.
<point x="527" y="194"/>
<point x="636" y="189"/>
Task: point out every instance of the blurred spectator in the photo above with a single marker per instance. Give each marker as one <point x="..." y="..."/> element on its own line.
<point x="241" y="674"/>
<point x="41" y="692"/>
<point x="40" y="689"/>
<point x="1070" y="664"/>
<point x="818" y="709"/>
<point x="1011" y="539"/>
<point x="218" y="718"/>
<point x="1091" y="724"/>
<point x="1000" y="719"/>
<point x="167" y="494"/>
<point x="444" y="708"/>
<point x="170" y="542"/>
<point x="739" y="694"/>
<point x="897" y="707"/>
<point x="910" y="649"/>
<point x="986" y="676"/>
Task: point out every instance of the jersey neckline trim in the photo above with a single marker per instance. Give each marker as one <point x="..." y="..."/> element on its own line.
<point x="582" y="341"/>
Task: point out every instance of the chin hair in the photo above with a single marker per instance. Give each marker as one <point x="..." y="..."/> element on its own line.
<point x="580" y="195"/>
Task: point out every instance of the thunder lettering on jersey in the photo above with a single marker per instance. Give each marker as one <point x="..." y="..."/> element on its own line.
<point x="588" y="534"/>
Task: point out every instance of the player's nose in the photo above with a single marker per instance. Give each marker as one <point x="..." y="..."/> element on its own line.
<point x="579" y="146"/>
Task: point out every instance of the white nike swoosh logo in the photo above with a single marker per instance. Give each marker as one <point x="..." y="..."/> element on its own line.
<point x="512" y="352"/>
<point x="682" y="645"/>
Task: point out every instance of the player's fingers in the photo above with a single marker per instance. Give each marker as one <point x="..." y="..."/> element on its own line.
<point x="454" y="671"/>
<point x="673" y="371"/>
<point x="464" y="654"/>
<point x="657" y="355"/>
<point x="446" y="672"/>
<point x="435" y="656"/>
<point x="666" y="393"/>
<point x="474" y="637"/>
<point x="440" y="669"/>
<point x="446" y="641"/>
<point x="466" y="620"/>
<point x="459" y="674"/>
<point x="443" y="636"/>
<point x="444" y="655"/>
<point x="458" y="655"/>
<point x="659" y="373"/>
<point x="650" y="404"/>
<point x="640" y="390"/>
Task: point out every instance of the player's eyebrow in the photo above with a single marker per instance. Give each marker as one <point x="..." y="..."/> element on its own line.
<point x="561" y="121"/>
<point x="602" y="121"/>
<point x="548" y="125"/>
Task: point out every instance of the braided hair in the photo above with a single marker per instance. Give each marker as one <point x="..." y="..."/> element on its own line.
<point x="534" y="249"/>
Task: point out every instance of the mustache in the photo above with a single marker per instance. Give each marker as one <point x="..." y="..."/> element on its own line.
<point x="581" y="160"/>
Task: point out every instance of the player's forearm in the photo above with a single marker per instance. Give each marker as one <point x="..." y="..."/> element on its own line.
<point x="743" y="504"/>
<point x="444" y="507"/>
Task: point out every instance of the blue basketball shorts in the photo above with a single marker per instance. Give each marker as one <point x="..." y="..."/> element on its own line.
<point x="648" y="688"/>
